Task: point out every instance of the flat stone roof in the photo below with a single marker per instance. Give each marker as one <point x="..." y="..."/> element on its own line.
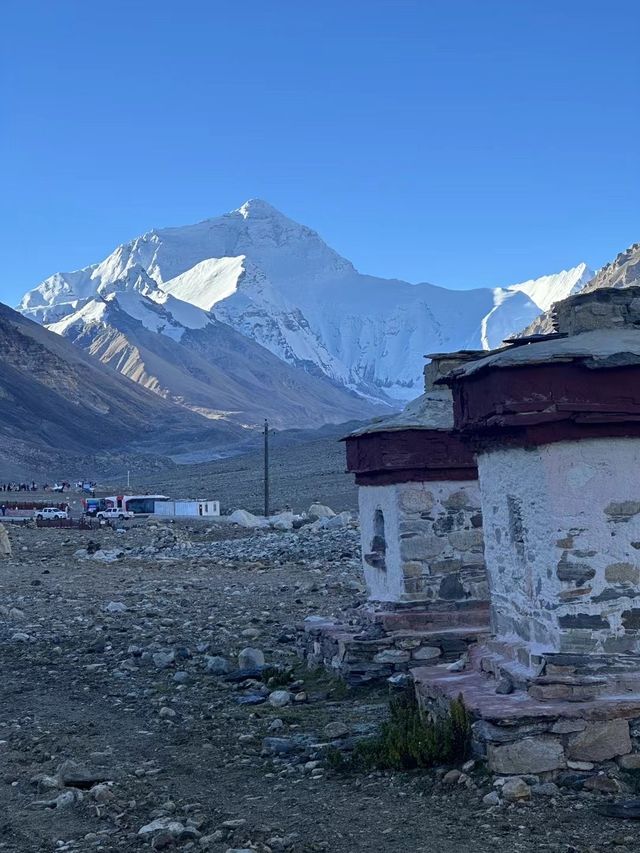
<point x="432" y="410"/>
<point x="598" y="349"/>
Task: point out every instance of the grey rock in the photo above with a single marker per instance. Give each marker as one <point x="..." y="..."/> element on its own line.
<point x="163" y="660"/>
<point x="600" y="741"/>
<point x="161" y="824"/>
<point x="71" y="773"/>
<point x="427" y="653"/>
<point x="504" y="685"/>
<point x="545" y="789"/>
<point x="250" y="657"/>
<point x="335" y="730"/>
<point x="529" y="755"/>
<point x="451" y="777"/>
<point x="392" y="656"/>
<point x="515" y="790"/>
<point x="458" y="665"/>
<point x="181" y="677"/>
<point x="216" y="665"/>
<point x="280" y="698"/>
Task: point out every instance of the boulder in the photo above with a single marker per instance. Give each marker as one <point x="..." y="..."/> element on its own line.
<point x="282" y="521"/>
<point x="529" y="755"/>
<point x="338" y="521"/>
<point x="515" y="790"/>
<point x="168" y="824"/>
<point x="243" y="518"/>
<point x="216" y="665"/>
<point x="107" y="555"/>
<point x="630" y="762"/>
<point x="249" y="658"/>
<point x="279" y="698"/>
<point x="491" y="799"/>
<point x="335" y="730"/>
<point x="73" y="775"/>
<point x="317" y="511"/>
<point x="600" y="741"/>
<point x="5" y="544"/>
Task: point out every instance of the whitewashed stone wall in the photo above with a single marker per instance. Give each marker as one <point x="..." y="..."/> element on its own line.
<point x="433" y="538"/>
<point x="562" y="544"/>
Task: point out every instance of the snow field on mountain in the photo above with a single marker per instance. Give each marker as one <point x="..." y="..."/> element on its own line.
<point x="278" y="283"/>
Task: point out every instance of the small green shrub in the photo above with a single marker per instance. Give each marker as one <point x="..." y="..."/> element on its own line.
<point x="407" y="741"/>
<point x="276" y="676"/>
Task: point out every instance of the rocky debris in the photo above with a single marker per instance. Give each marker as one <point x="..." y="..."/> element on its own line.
<point x="62" y="801"/>
<point x="100" y="555"/>
<point x="5" y="544"/>
<point x="317" y="511"/>
<point x="282" y="521"/>
<point x="243" y="518"/>
<point x="458" y="665"/>
<point x="114" y="721"/>
<point x="319" y="518"/>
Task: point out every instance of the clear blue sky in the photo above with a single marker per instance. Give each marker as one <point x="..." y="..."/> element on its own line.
<point x="463" y="142"/>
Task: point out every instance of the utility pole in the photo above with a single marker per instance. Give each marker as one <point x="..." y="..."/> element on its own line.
<point x="266" y="467"/>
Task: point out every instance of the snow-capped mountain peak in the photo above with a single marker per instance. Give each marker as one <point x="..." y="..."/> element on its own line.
<point x="547" y="289"/>
<point x="277" y="282"/>
<point x="258" y="208"/>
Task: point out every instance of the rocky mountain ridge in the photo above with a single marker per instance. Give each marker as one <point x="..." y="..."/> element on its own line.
<point x="207" y="366"/>
<point x="624" y="271"/>
<point x="57" y="402"/>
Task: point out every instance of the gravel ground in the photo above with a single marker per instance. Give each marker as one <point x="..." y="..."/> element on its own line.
<point x="111" y="666"/>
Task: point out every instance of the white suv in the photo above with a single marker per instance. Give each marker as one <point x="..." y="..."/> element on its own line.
<point x="114" y="513"/>
<point x="50" y="512"/>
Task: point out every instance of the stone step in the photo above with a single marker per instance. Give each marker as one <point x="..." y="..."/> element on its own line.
<point x="424" y="619"/>
<point x="436" y="683"/>
<point x="452" y="642"/>
<point x="493" y="659"/>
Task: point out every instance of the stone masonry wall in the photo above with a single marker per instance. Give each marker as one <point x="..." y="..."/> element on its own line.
<point x="433" y="542"/>
<point x="562" y="542"/>
<point x="598" y="309"/>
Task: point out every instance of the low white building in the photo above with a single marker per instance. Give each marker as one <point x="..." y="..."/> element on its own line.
<point x="200" y="508"/>
<point x="555" y="421"/>
<point x="420" y="518"/>
<point x="422" y="543"/>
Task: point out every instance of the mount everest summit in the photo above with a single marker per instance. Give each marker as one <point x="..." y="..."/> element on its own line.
<point x="252" y="314"/>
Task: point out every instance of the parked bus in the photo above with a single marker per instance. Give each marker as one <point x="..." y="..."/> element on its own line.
<point x="138" y="504"/>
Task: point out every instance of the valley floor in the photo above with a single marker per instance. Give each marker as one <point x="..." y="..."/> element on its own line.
<point x="111" y="666"/>
<point x="300" y="474"/>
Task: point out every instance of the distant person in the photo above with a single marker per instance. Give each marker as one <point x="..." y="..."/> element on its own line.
<point x="3" y="509"/>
